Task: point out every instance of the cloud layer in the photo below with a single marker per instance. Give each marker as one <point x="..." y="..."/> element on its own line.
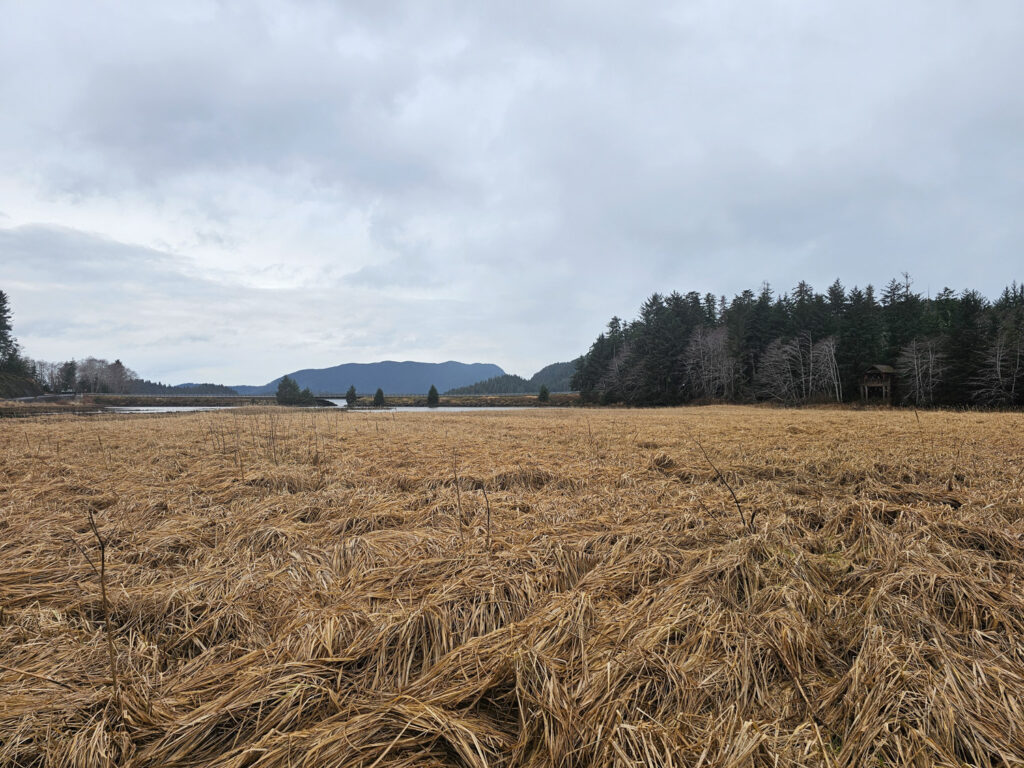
<point x="229" y="190"/>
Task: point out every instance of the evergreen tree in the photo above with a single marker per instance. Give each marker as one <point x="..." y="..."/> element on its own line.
<point x="543" y="396"/>
<point x="288" y="393"/>
<point x="67" y="376"/>
<point x="8" y="344"/>
<point x="433" y="399"/>
<point x="378" y="398"/>
<point x="836" y="308"/>
<point x="965" y="348"/>
<point x="860" y="337"/>
<point x="811" y="346"/>
<point x="351" y="397"/>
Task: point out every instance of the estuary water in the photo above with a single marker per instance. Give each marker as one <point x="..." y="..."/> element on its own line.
<point x="165" y="408"/>
<point x="440" y="409"/>
<point x="142" y="409"/>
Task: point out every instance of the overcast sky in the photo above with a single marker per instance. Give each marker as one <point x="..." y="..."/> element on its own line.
<point x="227" y="191"/>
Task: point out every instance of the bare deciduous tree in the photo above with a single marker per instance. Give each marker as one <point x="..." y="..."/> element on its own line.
<point x="799" y="370"/>
<point x="774" y="378"/>
<point x="920" y="366"/>
<point x="710" y="368"/>
<point x="1001" y="380"/>
<point x="825" y="370"/>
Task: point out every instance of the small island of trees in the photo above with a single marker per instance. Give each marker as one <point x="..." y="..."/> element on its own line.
<point x="288" y="393"/>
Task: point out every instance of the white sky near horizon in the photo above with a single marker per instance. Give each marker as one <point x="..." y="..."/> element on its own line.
<point x="228" y="191"/>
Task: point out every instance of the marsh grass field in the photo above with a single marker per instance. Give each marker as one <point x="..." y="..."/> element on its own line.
<point x="540" y="588"/>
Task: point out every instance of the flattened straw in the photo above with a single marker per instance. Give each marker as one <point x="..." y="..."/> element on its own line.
<point x="458" y="493"/>
<point x="26" y="673"/>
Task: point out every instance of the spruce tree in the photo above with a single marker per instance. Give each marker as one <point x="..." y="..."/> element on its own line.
<point x="543" y="396"/>
<point x="378" y="398"/>
<point x="433" y="399"/>
<point x="8" y="345"/>
<point x="288" y="391"/>
<point x="810" y="345"/>
<point x="351" y="397"/>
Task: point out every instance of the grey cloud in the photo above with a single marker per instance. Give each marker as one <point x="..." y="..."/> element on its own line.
<point x="517" y="172"/>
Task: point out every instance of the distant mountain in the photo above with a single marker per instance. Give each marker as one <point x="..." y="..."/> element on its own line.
<point x="405" y="378"/>
<point x="555" y="377"/>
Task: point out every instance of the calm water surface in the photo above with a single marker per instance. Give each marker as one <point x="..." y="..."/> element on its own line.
<point x="140" y="409"/>
<point x="165" y="408"/>
<point x="443" y="409"/>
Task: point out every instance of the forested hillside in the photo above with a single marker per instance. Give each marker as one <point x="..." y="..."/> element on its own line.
<point x="805" y="346"/>
<point x="556" y="377"/>
<point x="506" y="384"/>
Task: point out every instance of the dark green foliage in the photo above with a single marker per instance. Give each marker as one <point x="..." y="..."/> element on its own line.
<point x="351" y="397"/>
<point x="556" y="377"/>
<point x="378" y="398"/>
<point x="17" y="385"/>
<point x="10" y="359"/>
<point x="433" y="399"/>
<point x="145" y="387"/>
<point x="506" y="384"/>
<point x="806" y="346"/>
<point x="288" y="393"/>
<point x="67" y="376"/>
<point x="543" y="396"/>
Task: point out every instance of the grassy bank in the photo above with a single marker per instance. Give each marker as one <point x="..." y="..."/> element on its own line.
<point x="532" y="588"/>
<point x="19" y="409"/>
<point x="462" y="401"/>
<point x="136" y="401"/>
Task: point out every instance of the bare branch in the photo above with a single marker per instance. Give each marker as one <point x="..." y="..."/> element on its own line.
<point x="749" y="526"/>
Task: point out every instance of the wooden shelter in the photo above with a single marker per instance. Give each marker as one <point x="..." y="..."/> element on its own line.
<point x="876" y="383"/>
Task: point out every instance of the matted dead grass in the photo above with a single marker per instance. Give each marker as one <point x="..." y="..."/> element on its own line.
<point x="301" y="589"/>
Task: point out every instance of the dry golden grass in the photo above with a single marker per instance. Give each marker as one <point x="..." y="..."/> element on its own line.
<point x="293" y="588"/>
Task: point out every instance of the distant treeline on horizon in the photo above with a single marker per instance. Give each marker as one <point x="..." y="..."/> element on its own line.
<point x="102" y="376"/>
<point x="792" y="348"/>
<point x="805" y="346"/>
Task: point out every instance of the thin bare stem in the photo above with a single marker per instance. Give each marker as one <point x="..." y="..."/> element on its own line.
<point x="488" y="503"/>
<point x="458" y="494"/>
<point x="748" y="525"/>
<point x="103" y="597"/>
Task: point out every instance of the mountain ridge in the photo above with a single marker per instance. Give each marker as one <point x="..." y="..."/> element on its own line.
<point x="406" y="377"/>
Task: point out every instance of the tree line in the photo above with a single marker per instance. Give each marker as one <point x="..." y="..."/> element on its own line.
<point x="90" y="374"/>
<point x="96" y="375"/>
<point x="805" y="346"/>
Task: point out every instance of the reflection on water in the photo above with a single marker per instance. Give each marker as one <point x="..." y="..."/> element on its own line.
<point x="140" y="409"/>
<point x="439" y="409"/>
<point x="165" y="408"/>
